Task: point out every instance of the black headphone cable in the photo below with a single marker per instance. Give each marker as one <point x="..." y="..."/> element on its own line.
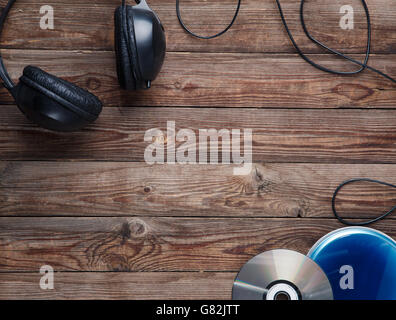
<point x="7" y="82"/>
<point x="363" y="65"/>
<point x="365" y="223"/>
<point x="206" y="37"/>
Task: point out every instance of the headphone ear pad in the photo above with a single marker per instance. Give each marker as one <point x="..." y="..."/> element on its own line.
<point x="125" y="63"/>
<point x="54" y="103"/>
<point x="46" y="112"/>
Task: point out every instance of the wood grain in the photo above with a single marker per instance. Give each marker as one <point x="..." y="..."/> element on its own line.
<point x="152" y="244"/>
<point x="257" y="29"/>
<point x="125" y="189"/>
<point x="114" y="227"/>
<point x="120" y="286"/>
<point x="343" y="136"/>
<point x="218" y="80"/>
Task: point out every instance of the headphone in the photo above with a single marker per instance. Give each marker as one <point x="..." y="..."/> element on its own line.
<point x="58" y="105"/>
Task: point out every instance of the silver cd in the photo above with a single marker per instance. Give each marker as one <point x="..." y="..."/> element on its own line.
<point x="281" y="275"/>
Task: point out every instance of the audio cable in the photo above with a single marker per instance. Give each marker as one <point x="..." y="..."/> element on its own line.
<point x="365" y="223"/>
<point x="362" y="65"/>
<point x="206" y="37"/>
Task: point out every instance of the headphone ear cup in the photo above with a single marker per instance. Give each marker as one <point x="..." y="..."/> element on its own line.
<point x="125" y="48"/>
<point x="46" y="112"/>
<point x="54" y="103"/>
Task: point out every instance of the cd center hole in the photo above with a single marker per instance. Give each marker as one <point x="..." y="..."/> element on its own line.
<point x="282" y="296"/>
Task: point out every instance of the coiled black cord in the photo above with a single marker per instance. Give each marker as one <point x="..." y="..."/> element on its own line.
<point x="365" y="223"/>
<point x="362" y="65"/>
<point x="5" y="77"/>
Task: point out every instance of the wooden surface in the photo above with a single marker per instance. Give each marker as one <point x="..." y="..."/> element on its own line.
<point x="114" y="227"/>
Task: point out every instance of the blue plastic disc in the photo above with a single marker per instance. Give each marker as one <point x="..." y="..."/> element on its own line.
<point x="359" y="262"/>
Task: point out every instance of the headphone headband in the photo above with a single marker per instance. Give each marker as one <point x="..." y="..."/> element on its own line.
<point x="8" y="83"/>
<point x="137" y="2"/>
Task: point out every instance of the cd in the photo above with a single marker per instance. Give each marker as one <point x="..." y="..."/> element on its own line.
<point x="281" y="275"/>
<point x="359" y="262"/>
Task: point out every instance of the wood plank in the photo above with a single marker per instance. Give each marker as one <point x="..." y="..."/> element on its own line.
<point x="120" y="286"/>
<point x="153" y="244"/>
<point x="125" y="189"/>
<point x="257" y="29"/>
<point x="218" y="80"/>
<point x="343" y="136"/>
<point x="182" y="220"/>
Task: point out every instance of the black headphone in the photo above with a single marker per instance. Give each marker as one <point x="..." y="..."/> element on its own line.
<point x="58" y="105"/>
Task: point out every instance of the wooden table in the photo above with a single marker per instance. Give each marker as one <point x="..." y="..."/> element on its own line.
<point x="115" y="227"/>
